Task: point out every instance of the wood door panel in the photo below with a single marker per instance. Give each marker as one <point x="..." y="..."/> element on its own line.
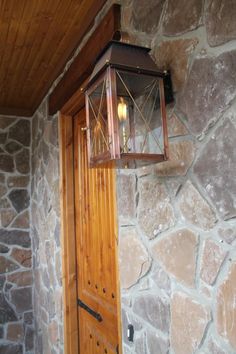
<point x="96" y="235"/>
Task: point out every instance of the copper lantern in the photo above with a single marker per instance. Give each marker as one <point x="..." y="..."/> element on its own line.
<point x="126" y="108"/>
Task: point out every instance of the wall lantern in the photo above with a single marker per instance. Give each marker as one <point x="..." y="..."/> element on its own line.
<point x="126" y="101"/>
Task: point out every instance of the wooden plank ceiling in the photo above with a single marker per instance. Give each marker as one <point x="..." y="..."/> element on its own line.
<point x="37" y="38"/>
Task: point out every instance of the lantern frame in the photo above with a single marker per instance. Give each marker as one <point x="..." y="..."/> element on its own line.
<point x="107" y="74"/>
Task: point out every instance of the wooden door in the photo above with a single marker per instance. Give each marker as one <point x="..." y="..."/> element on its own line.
<point x="96" y="239"/>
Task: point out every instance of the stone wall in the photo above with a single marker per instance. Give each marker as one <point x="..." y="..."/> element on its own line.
<point x="16" y="317"/>
<point x="45" y="231"/>
<point x="177" y="219"/>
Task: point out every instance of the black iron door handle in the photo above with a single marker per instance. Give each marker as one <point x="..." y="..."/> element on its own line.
<point x="89" y="310"/>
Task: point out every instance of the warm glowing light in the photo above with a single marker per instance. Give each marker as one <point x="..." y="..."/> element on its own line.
<point x="122" y="110"/>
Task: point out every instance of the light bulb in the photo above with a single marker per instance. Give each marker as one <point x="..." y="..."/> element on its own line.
<point x="122" y="110"/>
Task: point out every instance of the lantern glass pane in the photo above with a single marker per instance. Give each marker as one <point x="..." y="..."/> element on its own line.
<point x="139" y="113"/>
<point x="98" y="120"/>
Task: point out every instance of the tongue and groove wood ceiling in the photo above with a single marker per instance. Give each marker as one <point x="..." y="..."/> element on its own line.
<point x="37" y="38"/>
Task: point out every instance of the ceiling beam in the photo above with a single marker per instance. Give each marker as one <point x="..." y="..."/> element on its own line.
<point x="83" y="64"/>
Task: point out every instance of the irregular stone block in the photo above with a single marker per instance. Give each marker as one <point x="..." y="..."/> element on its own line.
<point x="2" y="282"/>
<point x="3" y="138"/>
<point x="226" y="309"/>
<point x="11" y="349"/>
<point x="18" y="181"/>
<point x="21" y="278"/>
<point x="161" y="279"/>
<point x="28" y="317"/>
<point x="220" y="21"/>
<point x="15" y="332"/>
<point x="133" y="258"/>
<point x="208" y="92"/>
<point x="146" y="18"/>
<point x="181" y="157"/>
<point x="12" y="147"/>
<point x="153" y="309"/>
<point x="157" y="344"/>
<point x="22" y="256"/>
<point x="126" y="186"/>
<point x="29" y="339"/>
<point x="22" y="160"/>
<point x="3" y="191"/>
<point x="7" y="266"/>
<point x="182" y="16"/>
<point x="215" y="167"/>
<point x="177" y="252"/>
<point x="20" y="199"/>
<point x="212" y="259"/>
<point x="214" y="348"/>
<point x="20" y="132"/>
<point x="189" y="320"/>
<point x="194" y="208"/>
<point x="6" y="163"/>
<point x="228" y="234"/>
<point x="3" y="249"/>
<point x="22" y="299"/>
<point x="155" y="213"/>
<point x="174" y="56"/>
<point x="7" y="313"/>
<point x="15" y="237"/>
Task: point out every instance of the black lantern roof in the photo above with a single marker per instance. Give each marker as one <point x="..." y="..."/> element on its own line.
<point x="127" y="57"/>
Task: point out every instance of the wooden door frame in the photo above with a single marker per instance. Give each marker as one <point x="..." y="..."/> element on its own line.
<point x="67" y="111"/>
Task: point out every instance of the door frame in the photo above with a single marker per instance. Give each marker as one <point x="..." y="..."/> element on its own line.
<point x="67" y="111"/>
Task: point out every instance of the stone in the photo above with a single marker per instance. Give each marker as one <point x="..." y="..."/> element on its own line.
<point x="12" y="147"/>
<point x="3" y="249"/>
<point x="22" y="160"/>
<point x="5" y="122"/>
<point x="220" y="23"/>
<point x="215" y="167"/>
<point x="126" y="186"/>
<point x="155" y="213"/>
<point x="53" y="332"/>
<point x="22" y="278"/>
<point x="157" y="344"/>
<point x="57" y="233"/>
<point x="7" y="266"/>
<point x="3" y="138"/>
<point x="181" y="157"/>
<point x="20" y="199"/>
<point x="133" y="258"/>
<point x="22" y="221"/>
<point x="18" y="181"/>
<point x="22" y="256"/>
<point x="228" y="234"/>
<point x="6" y="163"/>
<point x="11" y="349"/>
<point x="174" y="56"/>
<point x="208" y="92"/>
<point x="2" y="282"/>
<point x="212" y="259"/>
<point x="153" y="309"/>
<point x="176" y="127"/>
<point x="2" y="178"/>
<point x="214" y="348"/>
<point x="15" y="332"/>
<point x="174" y="185"/>
<point x="161" y="279"/>
<point x="140" y="344"/>
<point x="226" y="309"/>
<point x="3" y="191"/>
<point x="29" y="339"/>
<point x="4" y="203"/>
<point x="194" y="208"/>
<point x="6" y="216"/>
<point x="1" y="332"/>
<point x="177" y="253"/>
<point x="7" y="313"/>
<point x="189" y="320"/>
<point x="182" y="16"/>
<point x="20" y="132"/>
<point x="146" y="18"/>
<point x="15" y="237"/>
<point x="22" y="299"/>
<point x="28" y="317"/>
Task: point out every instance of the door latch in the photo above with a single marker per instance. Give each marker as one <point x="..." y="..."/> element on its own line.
<point x="89" y="310"/>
